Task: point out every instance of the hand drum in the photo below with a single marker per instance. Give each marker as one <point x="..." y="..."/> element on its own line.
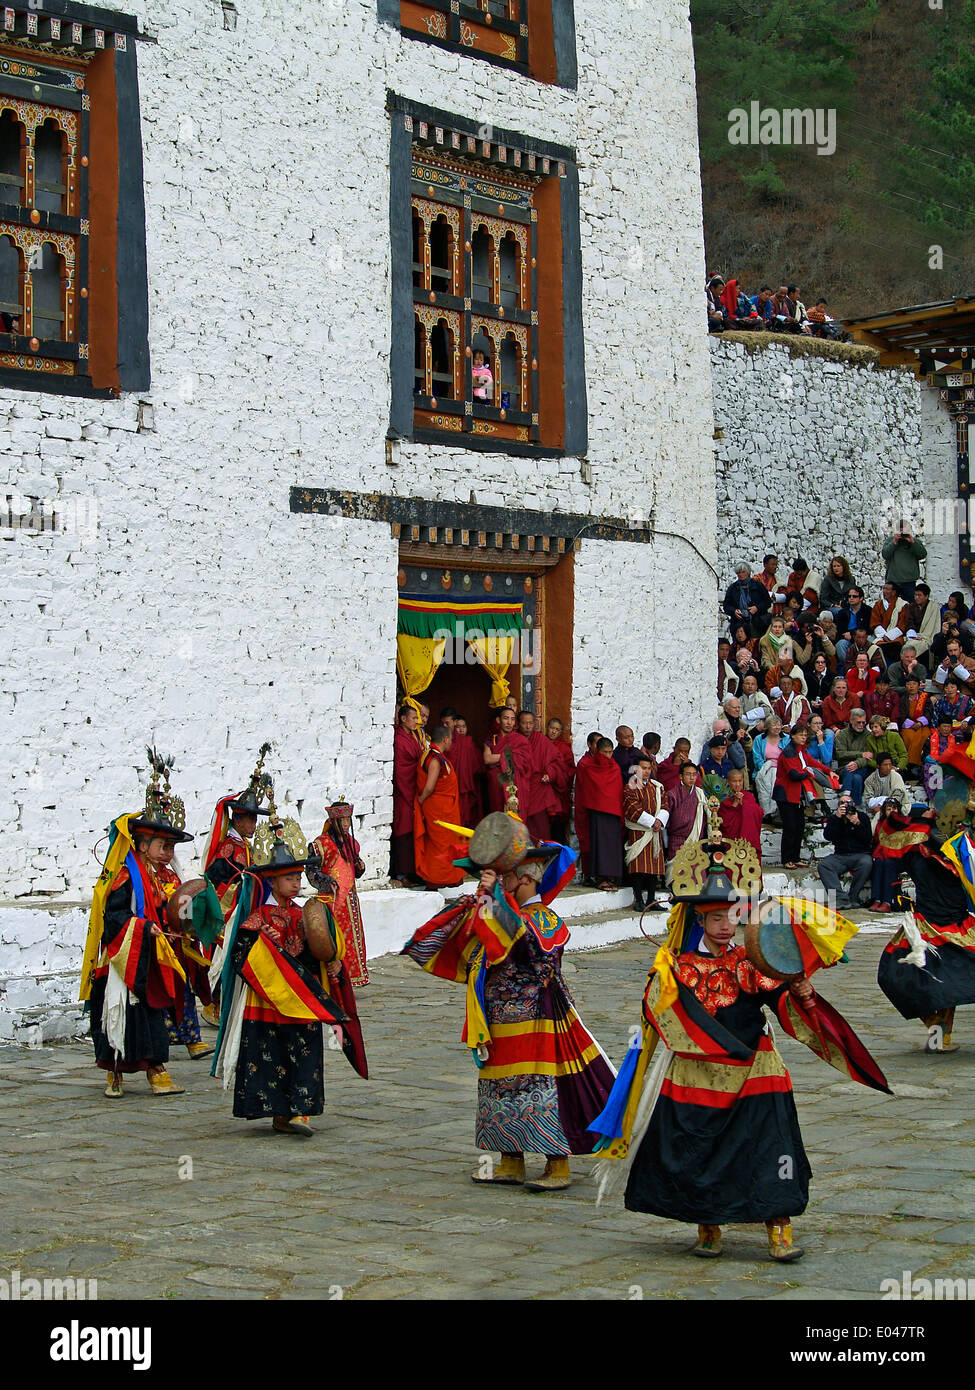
<point x="771" y="943"/>
<point x="180" y="918"/>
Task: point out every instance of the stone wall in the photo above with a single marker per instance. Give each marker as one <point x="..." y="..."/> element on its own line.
<point x="809" y="453"/>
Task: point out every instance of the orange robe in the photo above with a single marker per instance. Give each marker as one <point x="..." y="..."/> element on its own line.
<point x="436" y="848"/>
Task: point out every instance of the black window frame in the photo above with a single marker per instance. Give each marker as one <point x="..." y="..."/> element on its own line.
<point x="39" y="36"/>
<point x="408" y="119"/>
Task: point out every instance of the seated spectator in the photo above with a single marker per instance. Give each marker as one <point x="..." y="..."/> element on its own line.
<point x="851" y="751"/>
<point x="838" y="705"/>
<point x="848" y="831"/>
<point x="729" y="677"/>
<point x="821" y="740"/>
<point x="950" y="631"/>
<point x="787" y="666"/>
<point x="716" y="313"/>
<point x="784" y="317"/>
<point x="889" y="813"/>
<point x="792" y="612"/>
<point x="754" y="705"/>
<point x="822" y="325"/>
<point x="883" y="741"/>
<point x="740" y="813"/>
<point x="835" y="588"/>
<point x="955" y="663"/>
<point x="742" y="640"/>
<point x="768" y="578"/>
<point x="774" y="644"/>
<point x="941" y="742"/>
<point x="766" y="751"/>
<point x="954" y="704"/>
<point x="956" y="608"/>
<point x="863" y="642"/>
<point x="806" y="583"/>
<point x="746" y="602"/>
<point x="790" y="706"/>
<point x="796" y="784"/>
<point x="907" y="666"/>
<point x="883" y="700"/>
<point x="819" y="682"/>
<point x="828" y="624"/>
<point x="915" y="723"/>
<point x="812" y="642"/>
<point x="923" y="621"/>
<point x="862" y="679"/>
<point x="740" y="313"/>
<point x="885" y="622"/>
<point x="762" y="302"/>
<point x="853" y="616"/>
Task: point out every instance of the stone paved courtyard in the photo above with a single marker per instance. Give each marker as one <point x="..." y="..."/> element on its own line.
<point x="379" y="1204"/>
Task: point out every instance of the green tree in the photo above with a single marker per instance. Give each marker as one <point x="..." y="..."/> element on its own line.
<point x="941" y="165"/>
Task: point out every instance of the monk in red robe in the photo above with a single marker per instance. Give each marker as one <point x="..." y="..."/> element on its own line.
<point x="581" y="809"/>
<point x="468" y="761"/>
<point x="668" y="769"/>
<point x="600" y="784"/>
<point x="562" y="774"/>
<point x="544" y="802"/>
<point x="407" y="750"/>
<point x="740" y="813"/>
<point x="437" y="799"/>
<point x="521" y="756"/>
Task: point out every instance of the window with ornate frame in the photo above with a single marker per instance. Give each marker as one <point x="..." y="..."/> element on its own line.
<point x="485" y="260"/>
<point x="533" y="37"/>
<point x="73" y="300"/>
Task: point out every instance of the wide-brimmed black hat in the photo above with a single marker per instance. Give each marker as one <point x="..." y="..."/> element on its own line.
<point x="247" y="804"/>
<point x="282" y="861"/>
<point x="160" y="825"/>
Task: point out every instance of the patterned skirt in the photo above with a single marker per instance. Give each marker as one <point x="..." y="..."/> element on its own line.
<point x="280" y="1070"/>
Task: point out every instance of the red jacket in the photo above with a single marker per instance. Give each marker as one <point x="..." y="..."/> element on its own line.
<point x="793" y="786"/>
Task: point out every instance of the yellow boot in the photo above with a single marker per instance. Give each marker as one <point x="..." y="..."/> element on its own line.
<point x="708" y="1242"/>
<point x="555" y="1177"/>
<point x="509" y="1171"/>
<point x="162" y="1083"/>
<point x="114" y="1088"/>
<point x="199" y="1049"/>
<point x="780" y="1243"/>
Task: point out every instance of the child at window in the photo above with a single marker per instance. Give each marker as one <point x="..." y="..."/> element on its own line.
<point x="483" y="379"/>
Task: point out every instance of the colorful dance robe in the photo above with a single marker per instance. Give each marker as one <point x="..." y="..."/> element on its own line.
<point x="340" y="860"/>
<point x="944" y="922"/>
<point x="272" y="1026"/>
<point x="138" y="978"/>
<point x="723" y="1141"/>
<point x="542" y="1077"/>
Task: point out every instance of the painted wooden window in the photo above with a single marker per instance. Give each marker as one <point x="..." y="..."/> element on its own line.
<point x="533" y="37"/>
<point x="474" y="289"/>
<point x="64" y="165"/>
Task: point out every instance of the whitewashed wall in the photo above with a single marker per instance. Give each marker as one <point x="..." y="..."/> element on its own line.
<point x="188" y="605"/>
<point x="812" y="453"/>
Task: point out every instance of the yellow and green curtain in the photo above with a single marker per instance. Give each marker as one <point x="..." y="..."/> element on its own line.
<point x="489" y="627"/>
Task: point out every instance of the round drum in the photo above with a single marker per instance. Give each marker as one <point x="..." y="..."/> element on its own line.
<point x="499" y="842"/>
<point x="179" y="913"/>
<point x="317" y="932"/>
<point x="771" y="943"/>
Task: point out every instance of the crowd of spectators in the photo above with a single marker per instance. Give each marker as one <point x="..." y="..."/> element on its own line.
<point x="769" y="311"/>
<point x="842" y="703"/>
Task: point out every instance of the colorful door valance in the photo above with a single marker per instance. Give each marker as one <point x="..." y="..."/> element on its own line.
<point x="420" y="616"/>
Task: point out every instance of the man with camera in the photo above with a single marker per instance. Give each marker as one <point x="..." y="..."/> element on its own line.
<point x="848" y="830"/>
<point x="903" y="554"/>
